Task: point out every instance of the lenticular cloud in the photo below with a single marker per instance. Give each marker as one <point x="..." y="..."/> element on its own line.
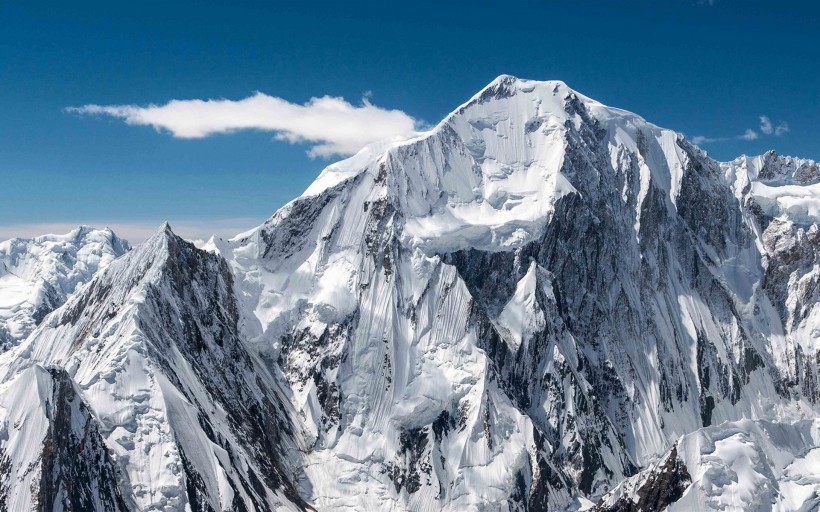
<point x="332" y="125"/>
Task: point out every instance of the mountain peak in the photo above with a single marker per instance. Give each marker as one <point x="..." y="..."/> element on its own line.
<point x="507" y="86"/>
<point x="513" y="83"/>
<point x="161" y="236"/>
<point x="82" y="230"/>
<point x="162" y="248"/>
<point x="492" y="124"/>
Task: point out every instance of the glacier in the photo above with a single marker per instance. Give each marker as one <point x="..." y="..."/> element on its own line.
<point x="541" y="303"/>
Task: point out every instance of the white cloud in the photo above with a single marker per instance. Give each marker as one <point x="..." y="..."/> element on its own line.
<point x="700" y="139"/>
<point x="749" y="134"/>
<point x="137" y="231"/>
<point x="766" y="125"/>
<point x="331" y="125"/>
<point x="766" y="128"/>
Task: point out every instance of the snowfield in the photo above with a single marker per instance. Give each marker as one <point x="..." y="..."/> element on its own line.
<point x="542" y="303"/>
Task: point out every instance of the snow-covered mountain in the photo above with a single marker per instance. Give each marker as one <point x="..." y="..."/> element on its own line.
<point x="38" y="275"/>
<point x="742" y="465"/>
<point x="189" y="415"/>
<point x="543" y="303"/>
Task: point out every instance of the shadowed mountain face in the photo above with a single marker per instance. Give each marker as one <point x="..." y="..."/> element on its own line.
<point x="523" y="309"/>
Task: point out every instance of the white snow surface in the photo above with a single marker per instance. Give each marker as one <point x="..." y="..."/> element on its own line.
<point x="39" y="274"/>
<point x="744" y="465"/>
<point x="24" y="416"/>
<point x="782" y="186"/>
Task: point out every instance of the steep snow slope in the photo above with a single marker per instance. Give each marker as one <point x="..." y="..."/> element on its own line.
<point x="602" y="281"/>
<point x="190" y="417"/>
<point x="381" y="352"/>
<point x="38" y="275"/>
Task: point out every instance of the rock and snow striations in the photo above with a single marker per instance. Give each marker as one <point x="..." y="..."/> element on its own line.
<point x="190" y="417"/>
<point x="543" y="303"/>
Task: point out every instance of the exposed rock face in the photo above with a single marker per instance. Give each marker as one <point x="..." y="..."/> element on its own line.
<point x="743" y="465"/>
<point x="661" y="486"/>
<point x="53" y="456"/>
<point x="525" y="308"/>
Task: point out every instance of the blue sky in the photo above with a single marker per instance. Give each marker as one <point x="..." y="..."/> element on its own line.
<point x="708" y="69"/>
